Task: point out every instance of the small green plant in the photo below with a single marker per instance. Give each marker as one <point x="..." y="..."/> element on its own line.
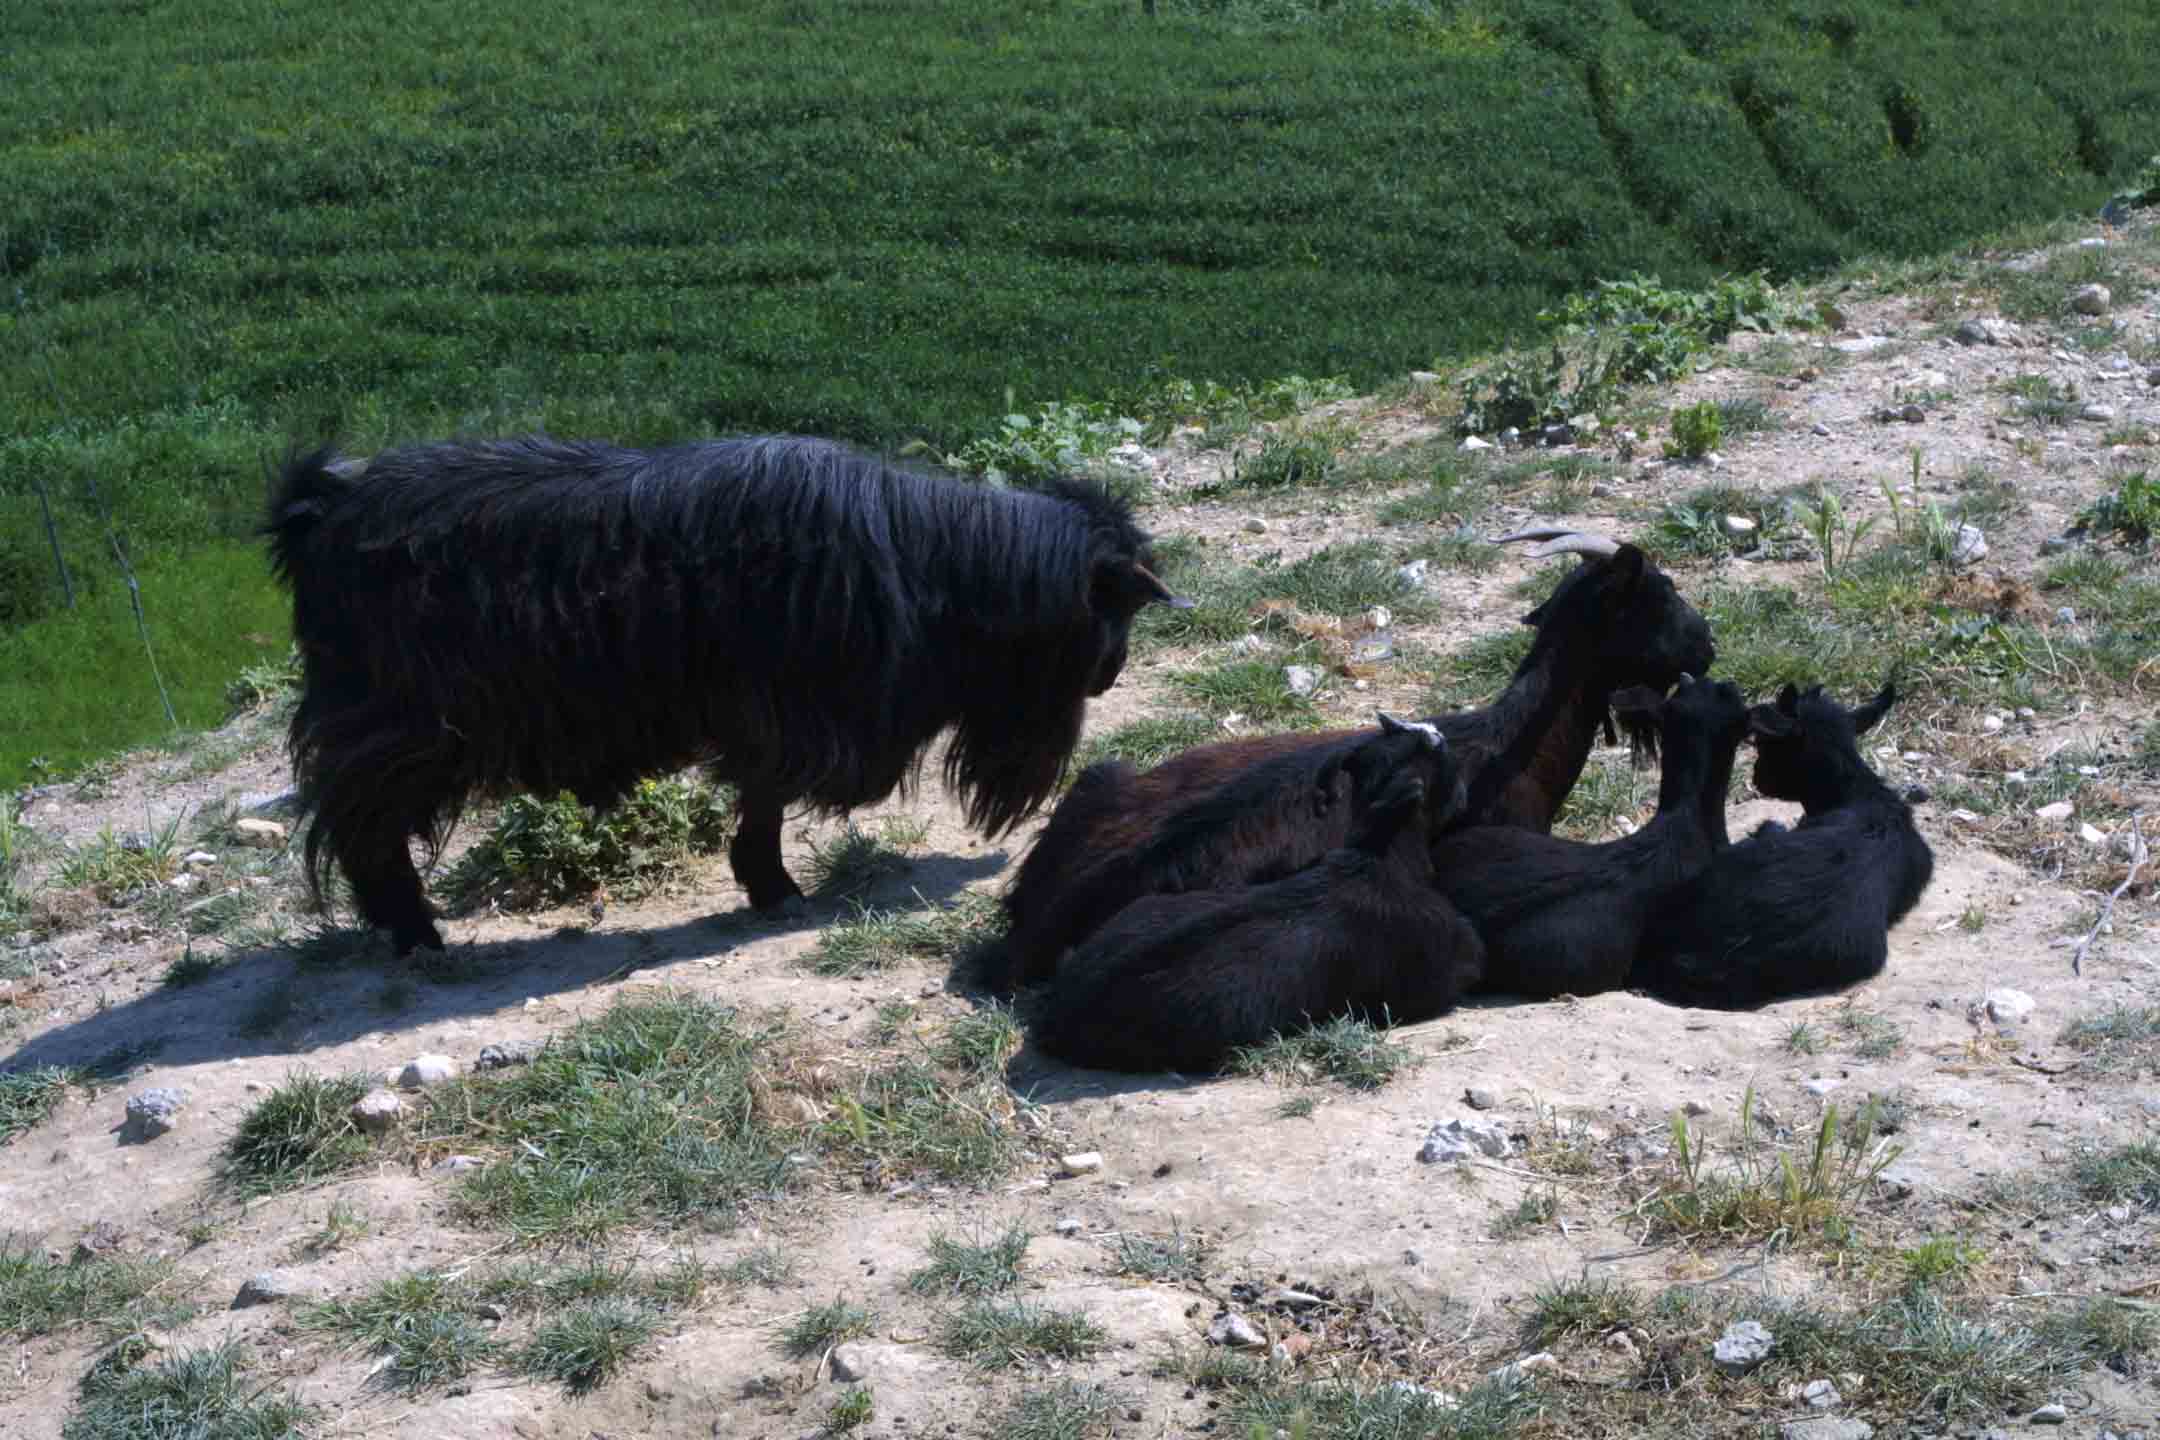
<point x="1536" y="1208"/>
<point x="854" y="1408"/>
<point x="300" y="1131"/>
<point x="873" y="939"/>
<point x="1696" y="431"/>
<point x="188" y="1395"/>
<point x="1178" y="1258"/>
<point x="1973" y="918"/>
<point x="550" y="851"/>
<point x="1070" y="1410"/>
<point x="2044" y="400"/>
<point x="583" y="1348"/>
<point x="1347" y="1049"/>
<point x="1287" y="460"/>
<point x="911" y="1118"/>
<point x="2131" y="510"/>
<point x="28" y="1096"/>
<point x="1581" y="1307"/>
<point x="1003" y="1334"/>
<point x="1060" y="437"/>
<point x="1143" y="744"/>
<point x="978" y="1267"/>
<point x="419" y="1322"/>
<point x="190" y="968"/>
<point x="263" y="683"/>
<point x="979" y="1043"/>
<point x="1836" y="535"/>
<point x="1938" y="1263"/>
<point x="1771" y="1197"/>
<point x="2122" y="1037"/>
<point x="40" y="1295"/>
<point x="853" y="863"/>
<point x="764" y="1267"/>
<point x="821" y="1327"/>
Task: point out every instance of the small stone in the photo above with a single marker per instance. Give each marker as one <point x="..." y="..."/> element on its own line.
<point x="2058" y="810"/>
<point x="425" y="1071"/>
<point x="1737" y="527"/>
<point x="153" y="1113"/>
<point x="1744" y="1345"/>
<point x="1302" y="679"/>
<point x="1411" y="576"/>
<point x="2092" y="835"/>
<point x="2008" y="1007"/>
<point x="2026" y="712"/>
<point x="1969" y="546"/>
<point x="1478" y="1099"/>
<point x="1623" y="1344"/>
<point x="1825" y="1427"/>
<point x="1973" y="332"/>
<point x="1820" y="1394"/>
<point x="2056" y="545"/>
<point x="451" y="1164"/>
<point x="261" y="834"/>
<point x="1993" y="724"/>
<point x="1911" y="414"/>
<point x="1601" y="491"/>
<point x="1821" y="429"/>
<point x="1471" y="442"/>
<point x="99" y="1241"/>
<point x="2056" y="1414"/>
<point x="1256" y="526"/>
<point x="2097" y="413"/>
<point x="1542" y="1363"/>
<point x="377" y="1111"/>
<point x="185" y="882"/>
<point x="850" y="1364"/>
<point x="1247" y="645"/>
<point x="1235" y="1331"/>
<point x="1695" y="1107"/>
<point x="2120" y="1214"/>
<point x="1070" y="1225"/>
<point x="199" y="859"/>
<point x="1424" y="377"/>
<point x="1438" y="1399"/>
<point x="1087" y="1162"/>
<point x="502" y="1057"/>
<point x="1511" y="436"/>
<point x="2091" y="300"/>
<point x="2066" y="615"/>
<point x="1820" y="1085"/>
<point x="266" y="1288"/>
<point x="1465" y="1140"/>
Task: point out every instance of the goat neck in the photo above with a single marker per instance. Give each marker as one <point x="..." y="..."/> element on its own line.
<point x="1544" y="724"/>
<point x="1836" y="776"/>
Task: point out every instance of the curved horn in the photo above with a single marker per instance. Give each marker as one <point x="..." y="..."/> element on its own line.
<point x="1159" y="590"/>
<point x="1559" y="541"/>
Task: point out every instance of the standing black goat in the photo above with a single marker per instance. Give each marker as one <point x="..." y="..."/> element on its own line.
<point x="1179" y="981"/>
<point x="494" y="616"/>
<point x="1564" y="917"/>
<point x="1800" y="911"/>
<point x="1226" y="814"/>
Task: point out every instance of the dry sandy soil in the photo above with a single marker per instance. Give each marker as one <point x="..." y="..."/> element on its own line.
<point x="1335" y="1196"/>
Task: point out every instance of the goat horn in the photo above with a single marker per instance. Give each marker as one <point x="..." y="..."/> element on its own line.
<point x="1534" y="532"/>
<point x="1162" y="591"/>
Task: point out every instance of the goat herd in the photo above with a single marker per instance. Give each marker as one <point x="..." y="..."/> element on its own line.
<point x="803" y="620"/>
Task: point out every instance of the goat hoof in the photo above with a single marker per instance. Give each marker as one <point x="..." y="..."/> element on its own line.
<point x="787" y="907"/>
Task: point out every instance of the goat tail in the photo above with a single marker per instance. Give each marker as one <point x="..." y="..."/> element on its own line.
<point x="307" y="488"/>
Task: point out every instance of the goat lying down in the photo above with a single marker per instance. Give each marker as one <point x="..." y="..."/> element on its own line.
<point x="1563" y="917"/>
<point x="1179" y="981"/>
<point x="1800" y="911"/>
<point x="1230" y="814"/>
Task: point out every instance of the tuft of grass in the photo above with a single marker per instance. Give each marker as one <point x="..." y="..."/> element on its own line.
<point x="342" y="1224"/>
<point x="764" y="1267"/>
<point x="584" y="1347"/>
<point x="2119" y="1038"/>
<point x="823" y="1326"/>
<point x="190" y="969"/>
<point x="911" y="1118"/>
<point x="1348" y="1049"/>
<point x="1581" y="1307"/>
<point x="1286" y="460"/>
<point x="420" y="1322"/>
<point x="855" y="862"/>
<point x="1345" y="1410"/>
<point x="1178" y="1258"/>
<point x="1256" y="690"/>
<point x="980" y="1042"/>
<point x="274" y="1005"/>
<point x="1003" y="1334"/>
<point x="2126" y="1174"/>
<point x="548" y="851"/>
<point x="1940" y="1262"/>
<point x="300" y="1132"/>
<point x="873" y="939"/>
<point x="2042" y="399"/>
<point x="854" y="1408"/>
<point x="1070" y="1410"/>
<point x="194" y="1395"/>
<point x="977" y="1267"/>
<point x="28" y="1096"/>
<point x="2105" y="1332"/>
<point x="647" y="1110"/>
<point x="1462" y="548"/>
<point x="1144" y="744"/>
<point x="1536" y="1208"/>
<point x="1481" y="669"/>
<point x="40" y="1295"/>
<point x="2131" y="510"/>
<point x="1696" y="430"/>
<point x="1763" y="1192"/>
<point x="1872" y="1036"/>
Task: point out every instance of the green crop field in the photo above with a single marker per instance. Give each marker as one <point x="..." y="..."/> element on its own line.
<point x="233" y="223"/>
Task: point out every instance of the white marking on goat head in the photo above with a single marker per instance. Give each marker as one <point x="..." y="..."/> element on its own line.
<point x="1433" y="738"/>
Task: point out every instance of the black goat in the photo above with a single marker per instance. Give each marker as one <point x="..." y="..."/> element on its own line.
<point x="1230" y="813"/>
<point x="1806" y="910"/>
<point x="488" y="617"/>
<point x="1565" y="917"/>
<point x="1179" y="981"/>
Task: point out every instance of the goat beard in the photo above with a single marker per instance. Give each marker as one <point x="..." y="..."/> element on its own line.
<point x="1642" y="737"/>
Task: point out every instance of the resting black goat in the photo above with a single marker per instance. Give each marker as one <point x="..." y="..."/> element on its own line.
<point x="1564" y="917"/>
<point x="1179" y="981"/>
<point x="487" y="617"/>
<point x="1806" y="910"/>
<point x="1227" y="814"/>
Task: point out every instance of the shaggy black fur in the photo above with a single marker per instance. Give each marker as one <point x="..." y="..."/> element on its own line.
<point x="1179" y="981"/>
<point x="1807" y="910"/>
<point x="487" y="617"/>
<point x="1120" y="835"/>
<point x="1563" y="917"/>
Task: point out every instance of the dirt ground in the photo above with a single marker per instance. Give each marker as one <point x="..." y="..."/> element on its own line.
<point x="1336" y="1196"/>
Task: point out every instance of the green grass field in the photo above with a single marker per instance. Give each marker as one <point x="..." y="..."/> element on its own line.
<point x="235" y="223"/>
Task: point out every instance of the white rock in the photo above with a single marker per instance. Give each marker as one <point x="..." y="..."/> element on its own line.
<point x="262" y="834"/>
<point x="198" y="859"/>
<point x="2059" y="810"/>
<point x="2097" y="413"/>
<point x="1969" y="546"/>
<point x="850" y="1363"/>
<point x="1070" y="1225"/>
<point x="1993" y="724"/>
<point x="185" y="883"/>
<point x="1087" y="1162"/>
<point x="1302" y="679"/>
<point x="1247" y="645"/>
<point x="1440" y="1399"/>
<point x="1236" y="1331"/>
<point x="1411" y="576"/>
<point x="377" y="1111"/>
<point x="453" y="1163"/>
<point x="1820" y="1394"/>
<point x="1471" y="442"/>
<point x="1737" y="526"/>
<point x="2092" y="835"/>
<point x="2091" y="300"/>
<point x="1256" y="526"/>
<point x="153" y="1113"/>
<point x="2008" y="1007"/>
<point x="1465" y="1139"/>
<point x="1744" y="1345"/>
<point x="1820" y="1085"/>
<point x="423" y="1072"/>
<point x="266" y="1287"/>
<point x="1542" y="1363"/>
<point x="1379" y="617"/>
<point x="2050" y="1415"/>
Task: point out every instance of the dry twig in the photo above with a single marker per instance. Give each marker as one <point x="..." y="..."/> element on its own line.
<point x="2138" y="853"/>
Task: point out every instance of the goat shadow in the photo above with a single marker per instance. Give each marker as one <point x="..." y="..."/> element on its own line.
<point x="206" y="1021"/>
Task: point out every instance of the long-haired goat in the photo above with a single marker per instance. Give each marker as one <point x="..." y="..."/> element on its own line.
<point x="1179" y="981"/>
<point x="1798" y="911"/>
<point x="1564" y="917"/>
<point x="535" y="614"/>
<point x="1229" y="813"/>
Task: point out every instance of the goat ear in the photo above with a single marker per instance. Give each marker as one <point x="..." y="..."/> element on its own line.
<point x="1865" y="717"/>
<point x="1788" y="699"/>
<point x="1769" y="720"/>
<point x="1627" y="566"/>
